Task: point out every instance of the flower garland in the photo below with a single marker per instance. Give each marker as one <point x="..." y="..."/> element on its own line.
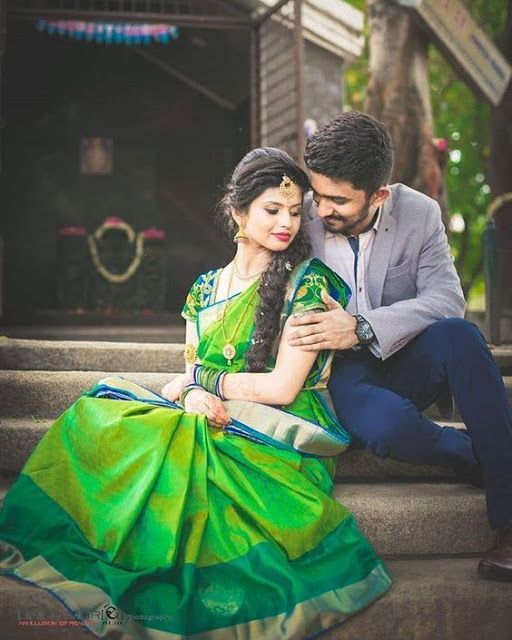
<point x="116" y="223"/>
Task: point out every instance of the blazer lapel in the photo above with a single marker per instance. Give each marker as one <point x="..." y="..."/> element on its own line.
<point x="381" y="254"/>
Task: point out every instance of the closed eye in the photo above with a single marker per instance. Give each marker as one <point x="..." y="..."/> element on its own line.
<point x="272" y="211"/>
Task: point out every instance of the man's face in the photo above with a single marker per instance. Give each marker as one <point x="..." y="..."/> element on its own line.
<point x="342" y="208"/>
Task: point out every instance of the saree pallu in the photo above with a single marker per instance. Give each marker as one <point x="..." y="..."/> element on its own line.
<point x="140" y="517"/>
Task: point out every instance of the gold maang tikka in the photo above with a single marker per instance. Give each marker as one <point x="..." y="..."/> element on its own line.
<point x="287" y="188"/>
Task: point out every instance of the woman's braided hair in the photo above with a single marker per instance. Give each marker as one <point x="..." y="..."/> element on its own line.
<point x="261" y="169"/>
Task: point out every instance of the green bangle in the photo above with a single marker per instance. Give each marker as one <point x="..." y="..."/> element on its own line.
<point x="186" y="390"/>
<point x="208" y="378"/>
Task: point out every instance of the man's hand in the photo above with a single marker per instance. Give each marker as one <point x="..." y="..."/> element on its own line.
<point x="201" y="401"/>
<point x="325" y="330"/>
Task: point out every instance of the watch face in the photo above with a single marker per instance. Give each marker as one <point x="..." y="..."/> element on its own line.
<point x="364" y="331"/>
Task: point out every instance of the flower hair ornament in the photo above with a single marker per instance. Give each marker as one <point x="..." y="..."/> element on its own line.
<point x="287" y="188"/>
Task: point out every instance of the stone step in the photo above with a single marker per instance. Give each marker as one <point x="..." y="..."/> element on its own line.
<point x="431" y="599"/>
<point x="63" y="355"/>
<point x="172" y="330"/>
<point x="400" y="520"/>
<point x="57" y="355"/>
<point x="48" y="393"/>
<point x="434" y="599"/>
<point x="421" y="519"/>
<point x="19" y="436"/>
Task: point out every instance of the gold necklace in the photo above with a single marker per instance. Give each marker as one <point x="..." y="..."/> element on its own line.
<point x="253" y="275"/>
<point x="229" y="350"/>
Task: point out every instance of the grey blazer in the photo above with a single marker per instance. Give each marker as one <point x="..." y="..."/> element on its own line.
<point x="412" y="281"/>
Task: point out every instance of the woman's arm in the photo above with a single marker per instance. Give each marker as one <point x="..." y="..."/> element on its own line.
<point x="173" y="389"/>
<point x="279" y="386"/>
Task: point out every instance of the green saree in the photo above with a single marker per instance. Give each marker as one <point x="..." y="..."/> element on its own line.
<point x="140" y="517"/>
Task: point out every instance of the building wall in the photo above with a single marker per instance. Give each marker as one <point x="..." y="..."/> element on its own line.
<point x="323" y="83"/>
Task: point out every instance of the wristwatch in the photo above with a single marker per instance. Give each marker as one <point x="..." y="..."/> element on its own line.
<point x="364" y="331"/>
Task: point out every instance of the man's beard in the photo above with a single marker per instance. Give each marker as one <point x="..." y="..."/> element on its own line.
<point x="349" y="224"/>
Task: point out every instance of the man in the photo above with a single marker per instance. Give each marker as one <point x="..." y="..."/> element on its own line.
<point x="402" y="340"/>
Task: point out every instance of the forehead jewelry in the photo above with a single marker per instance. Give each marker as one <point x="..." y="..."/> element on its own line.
<point x="287" y="188"/>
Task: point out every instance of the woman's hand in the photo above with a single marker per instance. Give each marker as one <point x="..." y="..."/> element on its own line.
<point x="201" y="401"/>
<point x="173" y="389"/>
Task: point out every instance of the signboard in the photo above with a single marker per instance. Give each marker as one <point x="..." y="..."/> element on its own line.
<point x="474" y="52"/>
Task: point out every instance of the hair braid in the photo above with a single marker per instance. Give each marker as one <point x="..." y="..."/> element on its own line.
<point x="272" y="292"/>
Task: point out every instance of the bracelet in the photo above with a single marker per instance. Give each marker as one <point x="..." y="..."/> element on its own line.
<point x="209" y="379"/>
<point x="186" y="390"/>
<point x="218" y="386"/>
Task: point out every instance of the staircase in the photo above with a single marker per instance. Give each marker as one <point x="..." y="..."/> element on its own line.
<point x="429" y="528"/>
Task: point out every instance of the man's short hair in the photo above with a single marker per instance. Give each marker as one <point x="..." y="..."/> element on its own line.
<point x="352" y="147"/>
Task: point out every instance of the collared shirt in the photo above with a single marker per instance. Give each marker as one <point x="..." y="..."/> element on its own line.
<point x="339" y="256"/>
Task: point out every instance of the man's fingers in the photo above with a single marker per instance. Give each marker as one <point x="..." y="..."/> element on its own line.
<point x="315" y="338"/>
<point x="305" y="319"/>
<point x="329" y="301"/>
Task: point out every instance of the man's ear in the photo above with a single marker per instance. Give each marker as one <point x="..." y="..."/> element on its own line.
<point x="380" y="196"/>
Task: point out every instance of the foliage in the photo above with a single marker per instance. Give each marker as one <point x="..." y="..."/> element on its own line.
<point x="464" y="119"/>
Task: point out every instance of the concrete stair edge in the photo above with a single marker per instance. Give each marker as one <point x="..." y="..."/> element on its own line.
<point x="59" y="355"/>
<point x="37" y="355"/>
<point x="38" y="390"/>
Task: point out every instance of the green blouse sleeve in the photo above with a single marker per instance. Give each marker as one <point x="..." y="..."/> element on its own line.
<point x="200" y="295"/>
<point x="193" y="301"/>
<point x="309" y="293"/>
<point x="317" y="278"/>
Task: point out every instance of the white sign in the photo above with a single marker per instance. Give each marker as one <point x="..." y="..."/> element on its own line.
<point x="473" y="50"/>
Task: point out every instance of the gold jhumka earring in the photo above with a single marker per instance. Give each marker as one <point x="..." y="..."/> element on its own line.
<point x="241" y="236"/>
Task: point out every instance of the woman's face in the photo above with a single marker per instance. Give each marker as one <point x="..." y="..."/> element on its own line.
<point x="272" y="221"/>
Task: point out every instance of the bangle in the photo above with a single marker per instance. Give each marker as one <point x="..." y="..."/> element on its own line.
<point x="209" y="379"/>
<point x="186" y="390"/>
<point x="218" y="385"/>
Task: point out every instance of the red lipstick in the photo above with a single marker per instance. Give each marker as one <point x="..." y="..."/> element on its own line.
<point x="284" y="237"/>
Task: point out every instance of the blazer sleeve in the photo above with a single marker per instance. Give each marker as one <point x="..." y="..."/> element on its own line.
<point x="439" y="293"/>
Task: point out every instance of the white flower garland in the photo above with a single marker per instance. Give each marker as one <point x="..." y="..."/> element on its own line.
<point x="117" y="278"/>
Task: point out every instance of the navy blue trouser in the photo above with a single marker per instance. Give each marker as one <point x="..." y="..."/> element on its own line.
<point x="380" y="403"/>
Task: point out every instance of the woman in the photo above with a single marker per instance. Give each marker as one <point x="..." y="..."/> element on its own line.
<point x="212" y="521"/>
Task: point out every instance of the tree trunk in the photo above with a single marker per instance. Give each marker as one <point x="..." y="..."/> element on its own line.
<point x="500" y="178"/>
<point x="399" y="95"/>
